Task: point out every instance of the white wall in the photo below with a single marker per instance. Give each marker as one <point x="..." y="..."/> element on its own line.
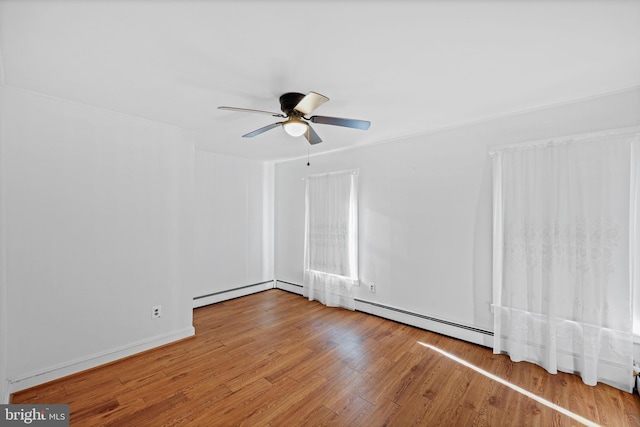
<point x="425" y="209"/>
<point x="4" y="386"/>
<point x="233" y="227"/>
<point x="99" y="228"/>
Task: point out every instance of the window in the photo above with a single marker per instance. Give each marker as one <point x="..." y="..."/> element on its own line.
<point x="565" y="255"/>
<point x="331" y="238"/>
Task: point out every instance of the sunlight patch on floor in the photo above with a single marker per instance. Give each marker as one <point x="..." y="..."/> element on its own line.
<point x="533" y="396"/>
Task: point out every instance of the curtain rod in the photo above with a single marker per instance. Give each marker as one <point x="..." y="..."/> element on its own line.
<point x="352" y="171"/>
<point x="569" y="139"/>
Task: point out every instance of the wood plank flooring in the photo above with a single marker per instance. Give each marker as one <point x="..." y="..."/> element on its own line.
<point x="276" y="359"/>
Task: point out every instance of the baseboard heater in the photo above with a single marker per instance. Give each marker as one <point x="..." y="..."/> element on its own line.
<point x="429" y="323"/>
<point x="429" y="318"/>
<point x="288" y="283"/>
<point x="228" y="294"/>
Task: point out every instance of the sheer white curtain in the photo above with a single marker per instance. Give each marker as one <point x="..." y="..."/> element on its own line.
<point x="331" y="238"/>
<point x="564" y="249"/>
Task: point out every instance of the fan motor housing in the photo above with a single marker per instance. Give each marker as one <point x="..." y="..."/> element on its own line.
<point x="288" y="102"/>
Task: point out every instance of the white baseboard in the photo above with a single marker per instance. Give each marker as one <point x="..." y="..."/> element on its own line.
<point x="290" y="287"/>
<point x="444" y="327"/>
<point x="32" y="379"/>
<point x="215" y="297"/>
<point x="450" y="329"/>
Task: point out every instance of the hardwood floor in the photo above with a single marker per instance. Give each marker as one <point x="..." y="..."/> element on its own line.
<point x="276" y="359"/>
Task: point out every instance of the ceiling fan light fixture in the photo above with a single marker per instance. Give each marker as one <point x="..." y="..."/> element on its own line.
<point x="295" y="127"/>
<point x="295" y="107"/>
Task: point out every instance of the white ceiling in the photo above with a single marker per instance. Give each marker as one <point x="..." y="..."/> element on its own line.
<point x="407" y="66"/>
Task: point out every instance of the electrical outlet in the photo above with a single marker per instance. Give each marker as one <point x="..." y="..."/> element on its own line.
<point x="156" y="311"/>
<point x="372" y="287"/>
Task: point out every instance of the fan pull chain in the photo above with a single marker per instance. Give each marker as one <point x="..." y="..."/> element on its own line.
<point x="308" y="164"/>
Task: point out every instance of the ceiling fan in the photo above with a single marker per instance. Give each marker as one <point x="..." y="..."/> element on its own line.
<point x="296" y="106"/>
